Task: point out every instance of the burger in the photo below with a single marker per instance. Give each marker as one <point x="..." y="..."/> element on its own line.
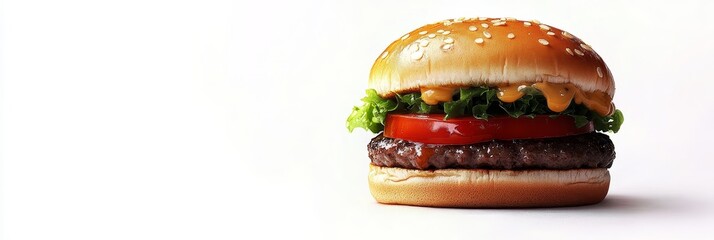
<point x="489" y="113"/>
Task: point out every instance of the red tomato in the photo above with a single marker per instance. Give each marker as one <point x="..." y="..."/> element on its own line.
<point x="433" y="129"/>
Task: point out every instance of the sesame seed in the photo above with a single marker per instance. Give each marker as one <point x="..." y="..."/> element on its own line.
<point x="486" y="34"/>
<point x="550" y="33"/>
<point x="535" y="21"/>
<point x="511" y="19"/>
<point x="599" y="72"/>
<point x="447" y="23"/>
<point x="405" y="36"/>
<point x="478" y="40"/>
<point x="482" y="19"/>
<point x="423" y="43"/>
<point x="566" y="34"/>
<point x="440" y="31"/>
<point x="495" y="20"/>
<point x="446" y="32"/>
<point x="449" y="40"/>
<point x="384" y="55"/>
<point x="417" y="54"/>
<point x="569" y="51"/>
<point x="511" y="35"/>
<point x="586" y="47"/>
<point x="577" y="51"/>
<point x="527" y="24"/>
<point x="503" y="19"/>
<point x="499" y="24"/>
<point x="473" y="28"/>
<point x="422" y="32"/>
<point x="413" y="47"/>
<point x="447" y="46"/>
<point x="544" y="27"/>
<point x="431" y="35"/>
<point x="484" y="25"/>
<point x="543" y="41"/>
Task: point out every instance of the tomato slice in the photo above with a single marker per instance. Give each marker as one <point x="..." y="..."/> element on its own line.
<point x="433" y="129"/>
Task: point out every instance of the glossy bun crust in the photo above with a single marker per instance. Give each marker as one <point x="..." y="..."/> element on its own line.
<point x="466" y="188"/>
<point x="488" y="52"/>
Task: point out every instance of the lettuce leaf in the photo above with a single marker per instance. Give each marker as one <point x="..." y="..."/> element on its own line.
<point x="372" y="114"/>
<point x="609" y="123"/>
<point x="479" y="102"/>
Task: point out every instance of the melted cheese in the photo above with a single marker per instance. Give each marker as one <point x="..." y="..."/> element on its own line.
<point x="434" y="95"/>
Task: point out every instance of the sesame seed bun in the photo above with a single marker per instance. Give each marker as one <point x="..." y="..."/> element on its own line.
<point x="469" y="188"/>
<point x="488" y="52"/>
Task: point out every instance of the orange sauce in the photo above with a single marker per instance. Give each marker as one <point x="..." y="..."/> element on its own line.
<point x="434" y="95"/>
<point x="510" y="93"/>
<point x="558" y="95"/>
<point x="599" y="102"/>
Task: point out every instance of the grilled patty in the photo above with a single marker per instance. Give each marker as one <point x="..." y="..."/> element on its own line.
<point x="591" y="150"/>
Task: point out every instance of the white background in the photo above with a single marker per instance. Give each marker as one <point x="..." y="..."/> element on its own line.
<point x="225" y="120"/>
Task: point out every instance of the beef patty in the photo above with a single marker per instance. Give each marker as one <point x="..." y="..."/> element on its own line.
<point x="591" y="150"/>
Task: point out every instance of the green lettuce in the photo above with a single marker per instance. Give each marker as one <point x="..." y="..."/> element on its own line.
<point x="479" y="102"/>
<point x="372" y="114"/>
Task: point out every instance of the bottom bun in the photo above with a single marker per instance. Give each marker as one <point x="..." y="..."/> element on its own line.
<point x="481" y="188"/>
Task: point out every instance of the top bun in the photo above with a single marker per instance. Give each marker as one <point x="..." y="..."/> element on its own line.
<point x="488" y="52"/>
